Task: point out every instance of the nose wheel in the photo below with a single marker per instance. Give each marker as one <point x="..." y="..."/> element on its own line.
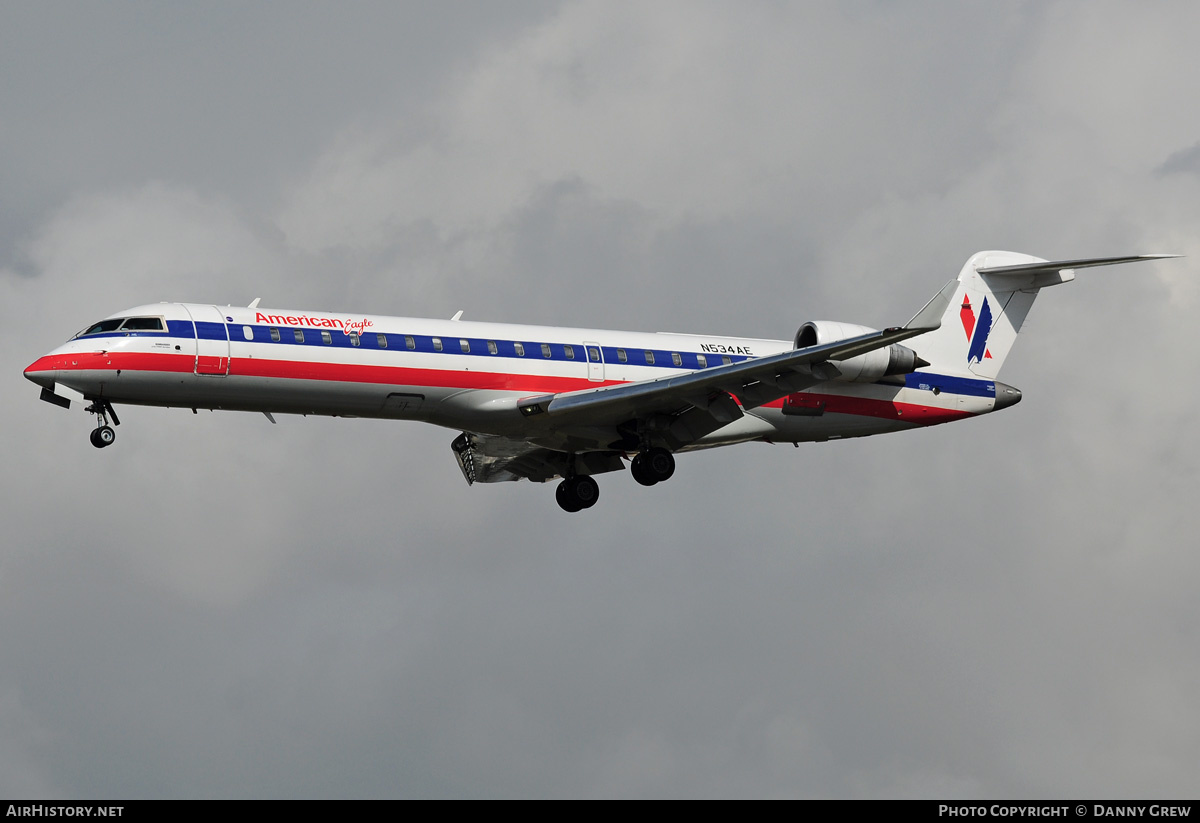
<point x="103" y="435"/>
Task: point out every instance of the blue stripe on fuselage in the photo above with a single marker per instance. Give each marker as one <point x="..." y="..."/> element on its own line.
<point x="970" y="386"/>
<point x="925" y="381"/>
<point x="423" y="343"/>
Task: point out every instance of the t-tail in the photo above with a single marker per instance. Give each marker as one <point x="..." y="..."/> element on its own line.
<point x="991" y="298"/>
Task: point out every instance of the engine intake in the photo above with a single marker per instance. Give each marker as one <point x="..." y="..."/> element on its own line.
<point x="865" y="368"/>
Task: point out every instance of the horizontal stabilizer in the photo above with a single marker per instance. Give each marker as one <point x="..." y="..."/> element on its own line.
<point x="1051" y="266"/>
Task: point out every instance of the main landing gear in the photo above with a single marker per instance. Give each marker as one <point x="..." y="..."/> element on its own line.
<point x="103" y="435"/>
<point x="652" y="466"/>
<point x="577" y="492"/>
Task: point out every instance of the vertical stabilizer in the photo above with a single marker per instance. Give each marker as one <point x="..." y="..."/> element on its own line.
<point x="986" y="313"/>
<point x="991" y="299"/>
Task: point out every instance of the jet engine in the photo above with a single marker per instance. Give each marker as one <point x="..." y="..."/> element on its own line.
<point x="865" y="368"/>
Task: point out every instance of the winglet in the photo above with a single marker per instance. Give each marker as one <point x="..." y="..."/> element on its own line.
<point x="254" y="303"/>
<point x="930" y="317"/>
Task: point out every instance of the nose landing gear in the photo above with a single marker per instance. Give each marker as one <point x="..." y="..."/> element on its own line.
<point x="103" y="435"/>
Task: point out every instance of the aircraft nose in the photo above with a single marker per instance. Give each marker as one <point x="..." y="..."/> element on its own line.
<point x="41" y="372"/>
<point x="1006" y="396"/>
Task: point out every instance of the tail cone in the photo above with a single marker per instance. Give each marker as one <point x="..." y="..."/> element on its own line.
<point x="1006" y="396"/>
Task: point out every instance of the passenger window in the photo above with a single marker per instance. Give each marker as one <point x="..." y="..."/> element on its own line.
<point x="569" y="351"/>
<point x="274" y="335"/>
<point x="545" y="350"/>
<point x="649" y="358"/>
<point x="381" y="341"/>
<point x="725" y="360"/>
<point x="702" y="361"/>
<point x="437" y="344"/>
<point x="520" y="349"/>
<point x="326" y="338"/>
<point x="676" y="359"/>
<point x="409" y="343"/>
<point x="621" y="356"/>
<point x="247" y="332"/>
<point x="354" y="341"/>
<point x="594" y="354"/>
<point x="299" y="335"/>
<point x="465" y="345"/>
<point x="492" y="347"/>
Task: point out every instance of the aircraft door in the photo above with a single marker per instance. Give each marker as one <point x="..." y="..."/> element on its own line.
<point x="595" y="358"/>
<point x="212" y="340"/>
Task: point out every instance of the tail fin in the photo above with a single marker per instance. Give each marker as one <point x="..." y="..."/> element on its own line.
<point x="991" y="298"/>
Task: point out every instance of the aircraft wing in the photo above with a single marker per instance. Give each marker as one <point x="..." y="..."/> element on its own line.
<point x="587" y="431"/>
<point x="715" y="396"/>
<point x="687" y="406"/>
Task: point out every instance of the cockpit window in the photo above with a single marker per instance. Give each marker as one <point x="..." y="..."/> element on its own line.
<point x="143" y="324"/>
<point x="125" y="324"/>
<point x="103" y="326"/>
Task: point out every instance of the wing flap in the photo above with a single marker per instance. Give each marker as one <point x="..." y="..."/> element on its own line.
<point x="486" y="458"/>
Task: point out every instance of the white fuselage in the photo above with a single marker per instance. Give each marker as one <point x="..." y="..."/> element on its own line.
<point x="453" y="373"/>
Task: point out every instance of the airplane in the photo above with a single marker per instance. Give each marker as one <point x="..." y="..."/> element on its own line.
<point x="542" y="403"/>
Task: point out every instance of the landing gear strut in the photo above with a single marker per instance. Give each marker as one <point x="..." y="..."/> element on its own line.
<point x="103" y="435"/>
<point x="652" y="466"/>
<point x="577" y="492"/>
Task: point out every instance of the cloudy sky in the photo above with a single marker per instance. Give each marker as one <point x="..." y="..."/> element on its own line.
<point x="219" y="607"/>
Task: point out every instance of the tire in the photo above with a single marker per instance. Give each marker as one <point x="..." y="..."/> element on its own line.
<point x="660" y="464"/>
<point x="584" y="490"/>
<point x="104" y="436"/>
<point x="638" y="469"/>
<point x="576" y="493"/>
<point x="564" y="498"/>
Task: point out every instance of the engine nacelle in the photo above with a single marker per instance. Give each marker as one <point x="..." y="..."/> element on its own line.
<point x="865" y="368"/>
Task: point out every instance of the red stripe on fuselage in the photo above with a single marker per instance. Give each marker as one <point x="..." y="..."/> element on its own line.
<point x="887" y="409"/>
<point x="404" y="376"/>
<point x="445" y="378"/>
<point x="312" y="370"/>
<point x="98" y="360"/>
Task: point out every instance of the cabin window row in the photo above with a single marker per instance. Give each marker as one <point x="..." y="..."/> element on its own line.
<point x="464" y="345"/>
<point x="131" y="324"/>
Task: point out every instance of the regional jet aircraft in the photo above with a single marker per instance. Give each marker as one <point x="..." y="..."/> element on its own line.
<point x="542" y="403"/>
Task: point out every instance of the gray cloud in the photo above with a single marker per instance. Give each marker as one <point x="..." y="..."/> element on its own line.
<point x="222" y="607"/>
<point x="1185" y="160"/>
